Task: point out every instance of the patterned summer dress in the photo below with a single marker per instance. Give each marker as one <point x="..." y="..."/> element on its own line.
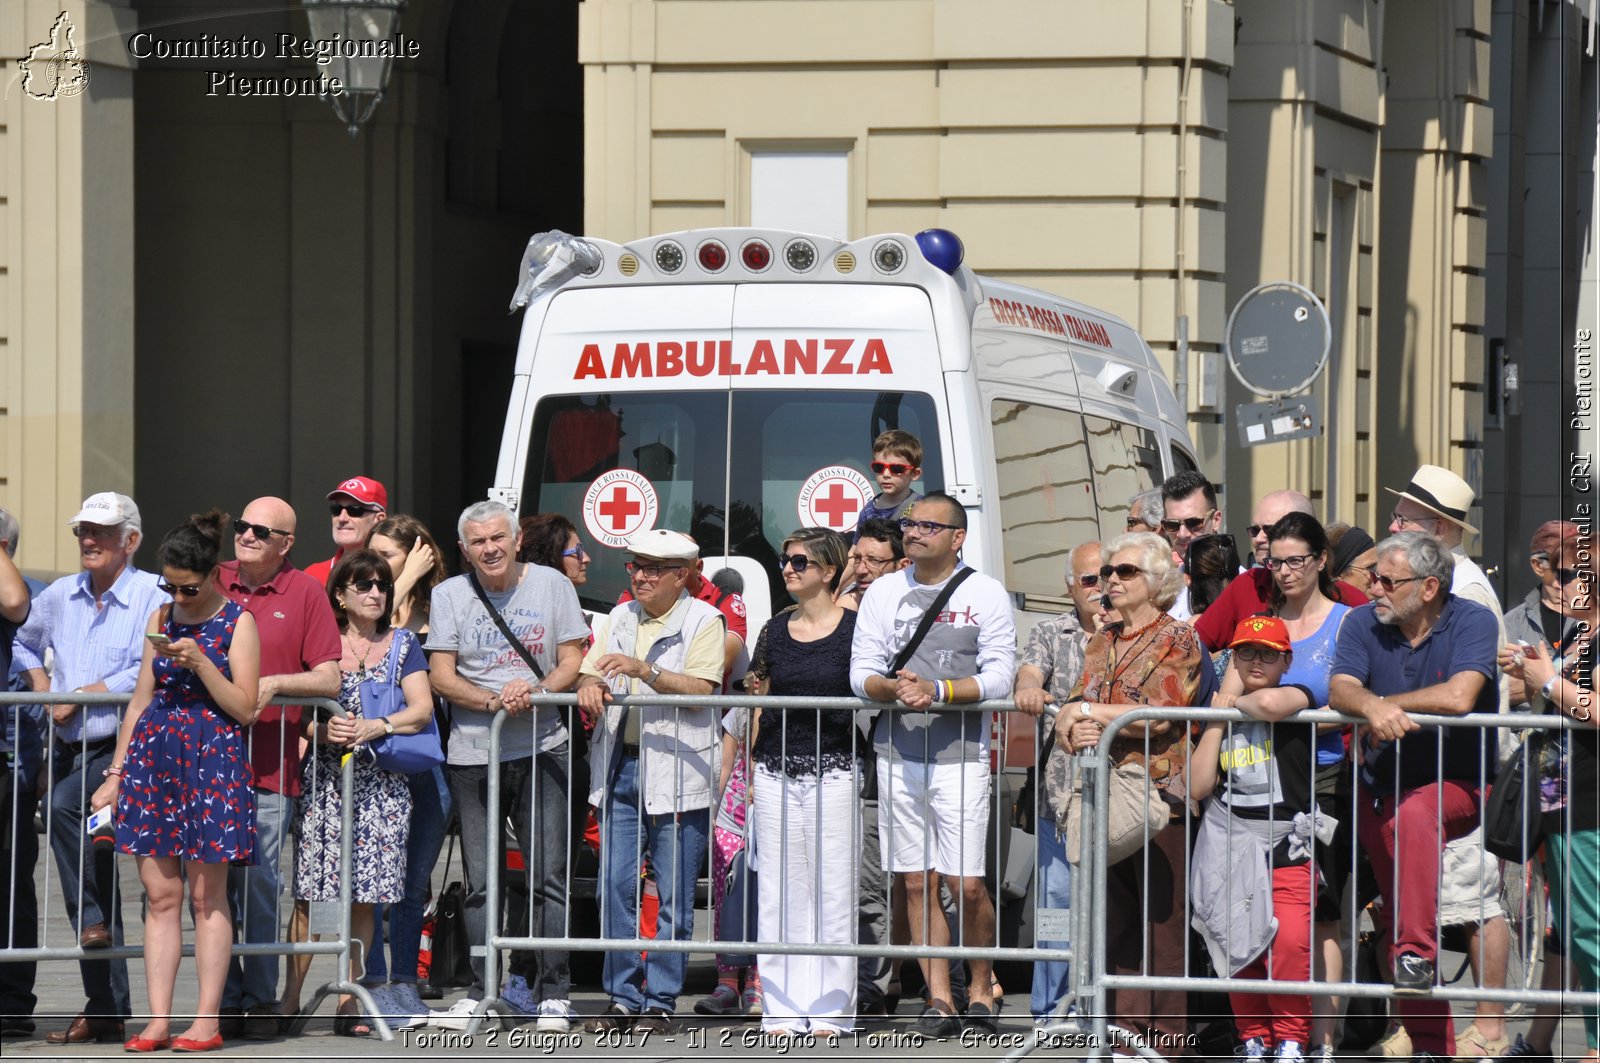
<point x="186" y="782"/>
<point x="382" y="812"/>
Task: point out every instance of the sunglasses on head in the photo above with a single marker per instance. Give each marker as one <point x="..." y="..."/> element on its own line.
<point x="1264" y="654"/>
<point x="188" y="590"/>
<point x="798" y="562"/>
<point x="362" y="586"/>
<point x="895" y="467"/>
<point x="260" y="531"/>
<point x="350" y="509"/>
<point x="1122" y="572"/>
<point x="1194" y="524"/>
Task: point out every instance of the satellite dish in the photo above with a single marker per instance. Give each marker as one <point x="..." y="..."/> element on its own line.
<point x="1278" y="338"/>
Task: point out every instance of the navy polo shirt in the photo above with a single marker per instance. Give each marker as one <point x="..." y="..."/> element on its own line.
<point x="1465" y="639"/>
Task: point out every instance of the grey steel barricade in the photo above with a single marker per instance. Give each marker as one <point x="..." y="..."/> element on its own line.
<point x="11" y="705"/>
<point x="496" y="940"/>
<point x="1090" y="890"/>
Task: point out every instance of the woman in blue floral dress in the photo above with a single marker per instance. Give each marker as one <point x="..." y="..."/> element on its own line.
<point x="180" y="781"/>
<point x="361" y="588"/>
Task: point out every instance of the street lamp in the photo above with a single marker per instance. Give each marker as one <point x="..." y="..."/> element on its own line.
<point x="365" y="30"/>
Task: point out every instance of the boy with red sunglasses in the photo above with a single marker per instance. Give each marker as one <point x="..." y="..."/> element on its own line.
<point x="896" y="462"/>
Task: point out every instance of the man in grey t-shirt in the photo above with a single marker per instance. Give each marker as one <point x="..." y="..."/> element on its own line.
<point x="480" y="673"/>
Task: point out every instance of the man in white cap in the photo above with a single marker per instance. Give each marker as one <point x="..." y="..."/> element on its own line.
<point x="94" y="622"/>
<point x="653" y="770"/>
<point x="1437" y="501"/>
<point x="357" y="505"/>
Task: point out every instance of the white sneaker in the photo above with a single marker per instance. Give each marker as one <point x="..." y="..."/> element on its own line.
<point x="1290" y="1050"/>
<point x="1255" y="1048"/>
<point x="458" y="1015"/>
<point x="555" y="1016"/>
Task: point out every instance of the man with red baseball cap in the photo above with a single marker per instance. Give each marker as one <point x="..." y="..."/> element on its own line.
<point x="357" y="505"/>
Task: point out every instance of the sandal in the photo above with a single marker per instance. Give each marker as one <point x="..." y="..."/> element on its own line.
<point x="351" y="1026"/>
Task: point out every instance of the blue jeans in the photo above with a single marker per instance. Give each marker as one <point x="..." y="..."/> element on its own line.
<point x="1054" y="891"/>
<point x="430" y="815"/>
<point x="89" y="870"/>
<point x="253" y="894"/>
<point x="676" y="844"/>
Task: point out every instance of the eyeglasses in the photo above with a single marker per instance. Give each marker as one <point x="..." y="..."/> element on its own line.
<point x="879" y="563"/>
<point x="1567" y="575"/>
<point x="362" y="586"/>
<point x="1388" y="584"/>
<point x="1122" y="572"/>
<point x="1135" y="522"/>
<point x="926" y="527"/>
<point x="650" y="571"/>
<point x="1087" y="579"/>
<point x="1264" y="654"/>
<point x="336" y="508"/>
<point x="261" y="531"/>
<point x="188" y="590"/>
<point x="96" y="531"/>
<point x="895" y="467"/>
<point x="1194" y="524"/>
<point x="578" y="552"/>
<point x="798" y="562"/>
<point x="1294" y="562"/>
<point x="1416" y="522"/>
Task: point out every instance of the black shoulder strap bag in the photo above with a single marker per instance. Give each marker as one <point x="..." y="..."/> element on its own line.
<point x="516" y="644"/>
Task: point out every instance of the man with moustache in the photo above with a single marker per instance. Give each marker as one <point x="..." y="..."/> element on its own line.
<point x="300" y="652"/>
<point x="358" y="505"/>
<point x="94" y="623"/>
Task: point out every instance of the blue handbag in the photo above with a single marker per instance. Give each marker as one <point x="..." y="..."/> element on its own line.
<point x="411" y="753"/>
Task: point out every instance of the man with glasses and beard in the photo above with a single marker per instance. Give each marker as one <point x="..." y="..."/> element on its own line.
<point x="357" y="505"/>
<point x="1417" y="648"/>
<point x="653" y="770"/>
<point x="300" y="652"/>
<point x="94" y="623"/>
<point x="933" y="764"/>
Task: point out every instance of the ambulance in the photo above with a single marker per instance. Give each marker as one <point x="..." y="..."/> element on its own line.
<point x="729" y="383"/>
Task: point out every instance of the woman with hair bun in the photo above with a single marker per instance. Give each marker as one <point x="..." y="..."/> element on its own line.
<point x="180" y="779"/>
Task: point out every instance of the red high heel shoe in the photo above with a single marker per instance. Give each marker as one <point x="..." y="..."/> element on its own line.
<point x="146" y="1044"/>
<point x="190" y="1044"/>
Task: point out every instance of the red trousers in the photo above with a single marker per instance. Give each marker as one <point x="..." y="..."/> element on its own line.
<point x="1416" y="825"/>
<point x="1280" y="1017"/>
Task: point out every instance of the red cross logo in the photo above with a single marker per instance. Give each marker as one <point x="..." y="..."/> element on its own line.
<point x="836" y="508"/>
<point x="619" y="507"/>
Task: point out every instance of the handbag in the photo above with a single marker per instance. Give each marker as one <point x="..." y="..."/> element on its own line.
<point x="736" y="919"/>
<point x="408" y="753"/>
<point x="1135" y="811"/>
<point x="451" y="966"/>
<point x="1513" y="820"/>
<point x="1365" y="1018"/>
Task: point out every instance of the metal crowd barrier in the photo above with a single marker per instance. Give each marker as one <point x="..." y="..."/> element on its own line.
<point x="13" y="705"/>
<point x="496" y="939"/>
<point x="1090" y="977"/>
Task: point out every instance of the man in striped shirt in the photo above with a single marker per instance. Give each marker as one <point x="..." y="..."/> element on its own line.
<point x="94" y="623"/>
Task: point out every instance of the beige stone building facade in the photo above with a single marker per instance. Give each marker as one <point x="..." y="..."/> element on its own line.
<point x="209" y="299"/>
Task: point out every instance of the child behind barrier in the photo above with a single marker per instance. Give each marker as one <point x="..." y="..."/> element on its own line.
<point x="727" y="839"/>
<point x="1259" y="828"/>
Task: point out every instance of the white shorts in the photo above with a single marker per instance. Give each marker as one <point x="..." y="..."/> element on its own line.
<point x="933" y="816"/>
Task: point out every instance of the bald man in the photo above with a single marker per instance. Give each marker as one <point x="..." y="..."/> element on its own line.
<point x="1249" y="594"/>
<point x="300" y="652"/>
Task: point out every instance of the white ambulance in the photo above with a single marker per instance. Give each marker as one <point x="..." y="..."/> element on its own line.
<point x="729" y="383"/>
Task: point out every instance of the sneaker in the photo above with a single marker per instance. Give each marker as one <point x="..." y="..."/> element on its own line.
<point x="981" y="1019"/>
<point x="459" y="1015"/>
<point x="655" y="1021"/>
<point x="519" y="997"/>
<point x="555" y="1016"/>
<point x="1472" y="1046"/>
<point x="1255" y="1048"/>
<point x="1326" y="1054"/>
<point x="724" y="1000"/>
<point x="1289" y="1050"/>
<point x="936" y="1024"/>
<point x="1521" y="1048"/>
<point x="406" y="1009"/>
<point x="615" y="1019"/>
<point x="1396" y="1043"/>
<point x="1412" y="974"/>
<point x="751" y="1001"/>
<point x="870" y="1010"/>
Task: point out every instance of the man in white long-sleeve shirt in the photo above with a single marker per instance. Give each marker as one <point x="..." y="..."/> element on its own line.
<point x="933" y="764"/>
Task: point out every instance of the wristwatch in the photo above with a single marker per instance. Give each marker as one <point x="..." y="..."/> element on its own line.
<point x="1087" y="711"/>
<point x="388" y="727"/>
<point x="655" y="674"/>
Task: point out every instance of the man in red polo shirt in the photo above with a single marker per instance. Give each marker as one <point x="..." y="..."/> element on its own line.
<point x="357" y="505"/>
<point x="1248" y="594"/>
<point x="731" y="606"/>
<point x="300" y="652"/>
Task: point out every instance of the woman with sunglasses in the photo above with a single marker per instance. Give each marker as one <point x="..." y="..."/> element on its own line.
<point x="1144" y="658"/>
<point x="415" y="564"/>
<point x="1256" y="840"/>
<point x="806" y="809"/>
<point x="180" y="779"/>
<point x="361" y="589"/>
